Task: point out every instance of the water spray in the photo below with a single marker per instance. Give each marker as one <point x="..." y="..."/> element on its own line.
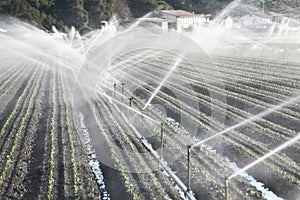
<point x="281" y="147"/>
<point x="123" y="64"/>
<point x="162" y="83"/>
<point x="3" y="30"/>
<point x="128" y="107"/>
<point x="135" y="24"/>
<point x="247" y="121"/>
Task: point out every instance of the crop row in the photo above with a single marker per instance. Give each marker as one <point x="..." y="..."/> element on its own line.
<point x="119" y="162"/>
<point x="21" y="128"/>
<point x="141" y="160"/>
<point x="288" y="85"/>
<point x="15" y="73"/>
<point x="241" y="114"/>
<point x="52" y="138"/>
<point x="243" y="91"/>
<point x="234" y="73"/>
<point x="263" y="64"/>
<point x="233" y="78"/>
<point x="169" y="99"/>
<point x="70" y="135"/>
<point x="245" y="115"/>
<point x="204" y="164"/>
<point x="39" y="147"/>
<point x="241" y="137"/>
<point x="8" y="86"/>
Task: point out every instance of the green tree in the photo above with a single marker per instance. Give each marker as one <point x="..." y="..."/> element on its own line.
<point x="98" y="10"/>
<point x="41" y="3"/>
<point x="71" y="12"/>
<point x="122" y="9"/>
<point x="22" y="10"/>
<point x="139" y="8"/>
<point x="90" y="13"/>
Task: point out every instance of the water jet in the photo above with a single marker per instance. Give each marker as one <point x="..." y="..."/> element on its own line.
<point x="257" y="161"/>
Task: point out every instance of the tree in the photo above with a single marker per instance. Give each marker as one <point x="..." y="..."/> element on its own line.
<point x="90" y="13"/>
<point x="139" y="8"/>
<point x="71" y="12"/>
<point x="98" y="10"/>
<point x="41" y="3"/>
<point x="122" y="9"/>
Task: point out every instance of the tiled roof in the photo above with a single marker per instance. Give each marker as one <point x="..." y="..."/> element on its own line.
<point x="177" y="13"/>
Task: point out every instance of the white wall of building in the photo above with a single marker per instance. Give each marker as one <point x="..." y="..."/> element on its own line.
<point x="184" y="22"/>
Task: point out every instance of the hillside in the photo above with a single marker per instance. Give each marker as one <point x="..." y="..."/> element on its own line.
<point x="88" y="14"/>
<point x="287" y="8"/>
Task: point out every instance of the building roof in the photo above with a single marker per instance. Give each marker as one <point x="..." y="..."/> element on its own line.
<point x="149" y="19"/>
<point x="177" y="13"/>
<point x="183" y="13"/>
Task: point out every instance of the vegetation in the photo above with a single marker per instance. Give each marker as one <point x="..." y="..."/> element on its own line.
<point x="240" y="82"/>
<point x="90" y="13"/>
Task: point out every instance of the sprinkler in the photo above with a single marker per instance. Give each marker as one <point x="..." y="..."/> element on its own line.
<point x="122" y="89"/>
<point x="122" y="84"/>
<point x="130" y="101"/>
<point x="161" y="140"/>
<point x="189" y="167"/>
<point x="115" y="88"/>
<point x="226" y="188"/>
